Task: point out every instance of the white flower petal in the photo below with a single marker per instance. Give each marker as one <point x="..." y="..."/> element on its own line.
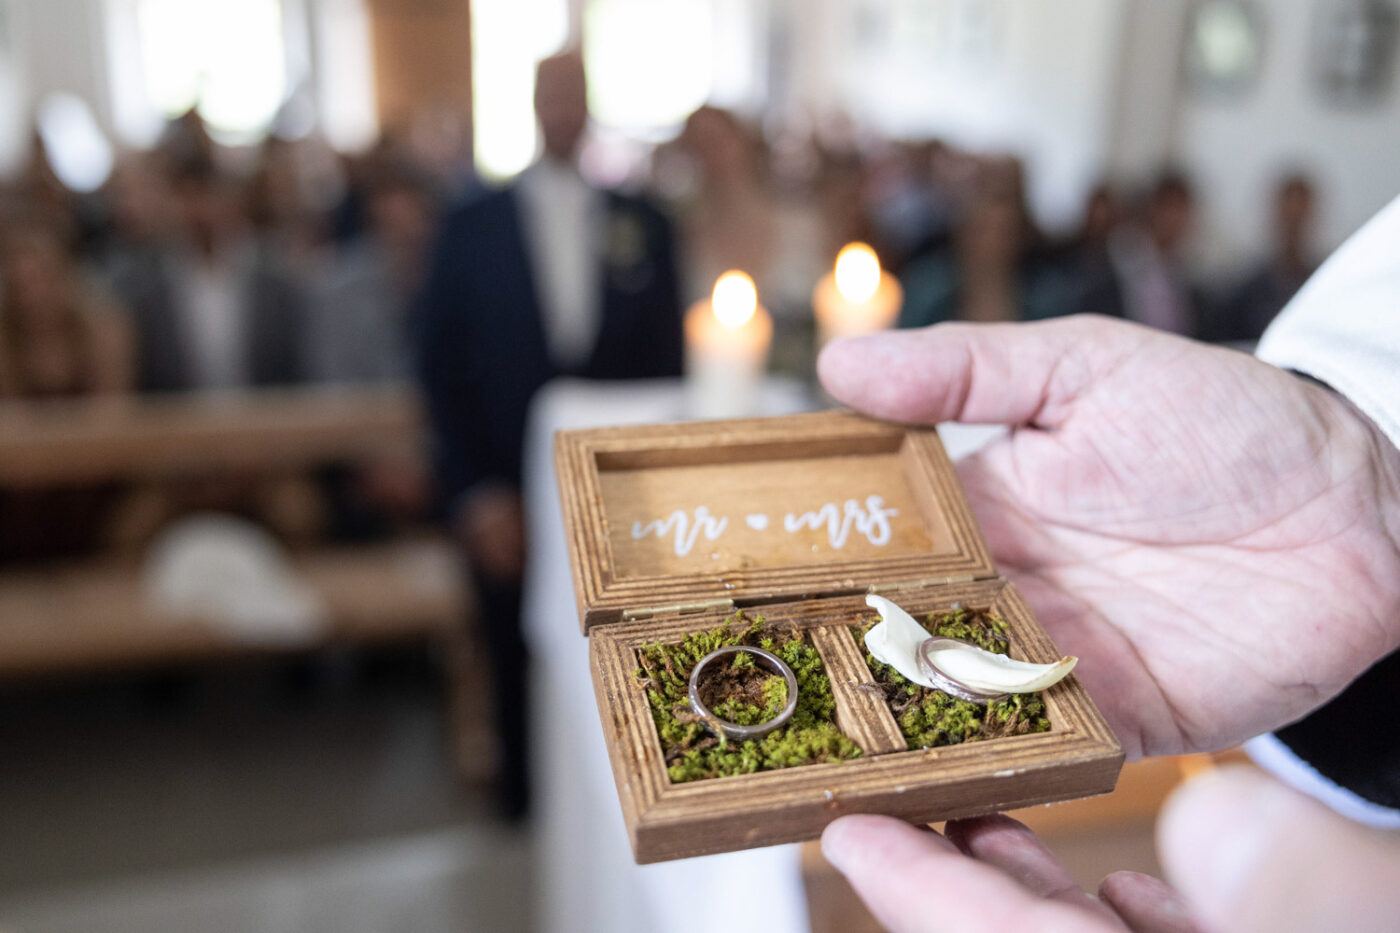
<point x="897" y="640"/>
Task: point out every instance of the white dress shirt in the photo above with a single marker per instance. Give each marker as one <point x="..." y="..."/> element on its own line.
<point x="1343" y="326"/>
<point x="563" y="223"/>
<point x="212" y="307"/>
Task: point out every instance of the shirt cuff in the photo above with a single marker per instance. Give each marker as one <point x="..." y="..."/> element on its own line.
<point x="1269" y="753"/>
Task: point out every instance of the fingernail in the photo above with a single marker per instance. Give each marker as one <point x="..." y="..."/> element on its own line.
<point x="1214" y="832"/>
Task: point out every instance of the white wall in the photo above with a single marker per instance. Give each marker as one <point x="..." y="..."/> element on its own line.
<point x="1031" y="77"/>
<point x="1236" y="149"/>
<point x="1146" y="78"/>
<point x="55" y="45"/>
<point x="88" y="48"/>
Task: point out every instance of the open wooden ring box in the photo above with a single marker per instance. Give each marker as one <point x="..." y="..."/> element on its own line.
<point x="673" y="527"/>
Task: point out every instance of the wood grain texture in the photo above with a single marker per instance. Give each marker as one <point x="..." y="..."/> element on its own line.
<point x="803" y="452"/>
<point x="754" y="501"/>
<point x="861" y="711"/>
<point x="1078" y="757"/>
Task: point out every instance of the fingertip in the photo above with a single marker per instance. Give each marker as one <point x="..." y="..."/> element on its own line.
<point x="1214" y="831"/>
<point x="850" y="840"/>
<point x="966" y="833"/>
<point x="842" y="364"/>
<point x="891" y="865"/>
<point x="1190" y="813"/>
<point x="1147" y="903"/>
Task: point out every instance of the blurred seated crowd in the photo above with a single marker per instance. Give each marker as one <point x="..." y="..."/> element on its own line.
<point x="198" y="267"/>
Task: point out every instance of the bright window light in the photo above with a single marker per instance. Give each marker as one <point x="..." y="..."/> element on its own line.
<point x="345" y="85"/>
<point x="80" y="154"/>
<point x="509" y="37"/>
<point x="224" y="57"/>
<point x="649" y="64"/>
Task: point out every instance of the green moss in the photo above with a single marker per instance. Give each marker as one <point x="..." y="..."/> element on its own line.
<point x="693" y="753"/>
<point x="929" y="718"/>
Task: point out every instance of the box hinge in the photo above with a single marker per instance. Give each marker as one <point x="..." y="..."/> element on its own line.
<point x="681" y="609"/>
<point x="918" y="584"/>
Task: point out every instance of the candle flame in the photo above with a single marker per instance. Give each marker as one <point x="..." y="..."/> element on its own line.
<point x="735" y="299"/>
<point x="857" y="273"/>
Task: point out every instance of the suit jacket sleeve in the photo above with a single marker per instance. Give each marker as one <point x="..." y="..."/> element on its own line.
<point x="444" y="368"/>
<point x="1343" y="329"/>
<point x="669" y="338"/>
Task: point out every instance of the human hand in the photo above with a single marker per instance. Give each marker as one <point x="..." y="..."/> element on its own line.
<point x="1218" y="540"/>
<point x="987" y="873"/>
<point x="490" y="526"/>
<point x="1244" y="853"/>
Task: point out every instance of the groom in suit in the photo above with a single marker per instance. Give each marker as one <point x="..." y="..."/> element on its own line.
<point x="543" y="278"/>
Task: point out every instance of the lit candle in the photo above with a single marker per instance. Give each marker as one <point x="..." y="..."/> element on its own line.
<point x="726" y="349"/>
<point x="856" y="297"/>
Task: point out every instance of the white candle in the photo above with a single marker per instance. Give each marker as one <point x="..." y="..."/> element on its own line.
<point x="856" y="297"/>
<point x="726" y="349"/>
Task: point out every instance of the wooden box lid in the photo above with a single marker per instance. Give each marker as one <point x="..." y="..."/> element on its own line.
<point x="693" y="517"/>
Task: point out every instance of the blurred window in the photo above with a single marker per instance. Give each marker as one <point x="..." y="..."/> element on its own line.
<point x="508" y="38"/>
<point x="649" y="64"/>
<point x="12" y="99"/>
<point x="344" y="64"/>
<point x="226" y="58"/>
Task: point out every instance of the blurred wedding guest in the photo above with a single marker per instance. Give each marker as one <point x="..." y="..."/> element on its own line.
<point x="1085" y="259"/>
<point x="293" y="189"/>
<point x="185" y="139"/>
<point x="910" y="212"/>
<point x="359" y="326"/>
<point x="59" y="335"/>
<point x="733" y="213"/>
<point x="995" y="270"/>
<point x="59" y="338"/>
<point x="77" y="218"/>
<point x="545" y="277"/>
<point x="360" y="332"/>
<point x="1261" y="295"/>
<point x="1150" y="263"/>
<point x="727" y="219"/>
<point x="214" y="308"/>
<point x="140" y="211"/>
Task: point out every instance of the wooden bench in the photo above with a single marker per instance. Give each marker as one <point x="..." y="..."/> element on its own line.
<point x="151" y="438"/>
<point x="94" y="616"/>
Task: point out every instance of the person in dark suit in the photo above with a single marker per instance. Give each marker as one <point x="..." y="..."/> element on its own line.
<point x="543" y="278"/>
<point x="1257" y="298"/>
<point x="214" y="309"/>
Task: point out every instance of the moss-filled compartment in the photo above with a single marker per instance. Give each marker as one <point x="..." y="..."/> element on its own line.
<point x="692" y="752"/>
<point x="929" y="718"/>
<point x="742" y="691"/>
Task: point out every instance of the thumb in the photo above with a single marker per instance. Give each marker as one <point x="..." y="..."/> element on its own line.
<point x="1250" y="854"/>
<point x="979" y="373"/>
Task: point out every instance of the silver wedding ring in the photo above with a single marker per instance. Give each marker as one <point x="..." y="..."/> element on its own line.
<point x="734" y="730"/>
<point x="948" y="685"/>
